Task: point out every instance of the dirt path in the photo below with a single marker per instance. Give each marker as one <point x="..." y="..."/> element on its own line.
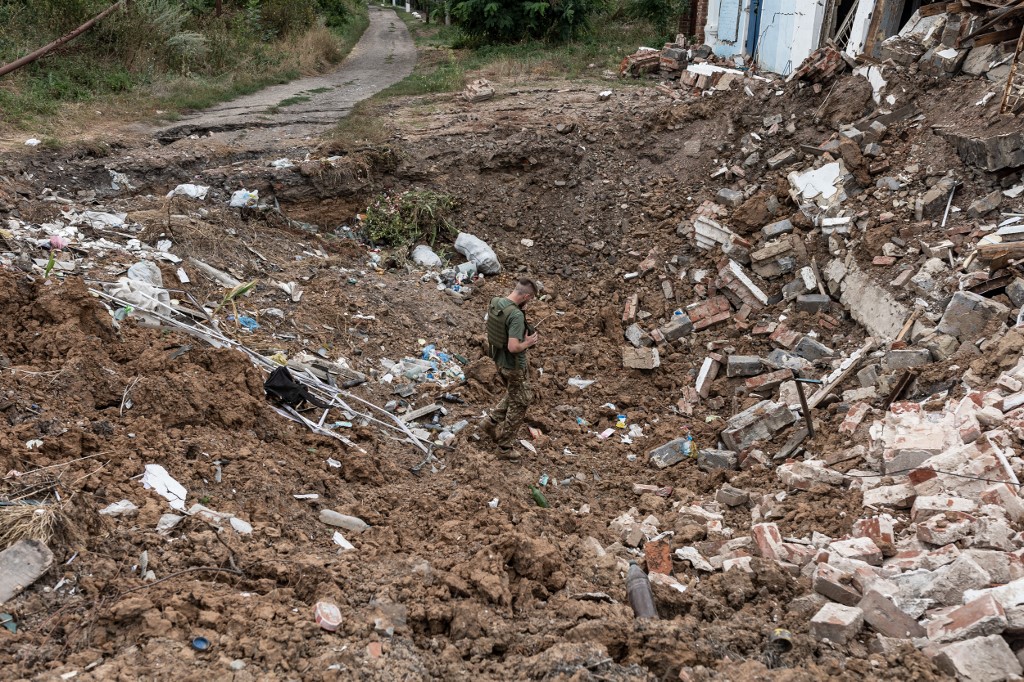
<point x="383" y="56"/>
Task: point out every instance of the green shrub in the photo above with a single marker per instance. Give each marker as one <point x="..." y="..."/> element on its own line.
<point x="399" y="220"/>
<point x="509" y="21"/>
<point x="663" y="14"/>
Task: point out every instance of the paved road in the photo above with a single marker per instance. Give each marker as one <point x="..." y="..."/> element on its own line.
<point x="383" y="56"/>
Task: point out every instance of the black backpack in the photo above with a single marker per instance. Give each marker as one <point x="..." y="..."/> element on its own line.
<point x="282" y="388"/>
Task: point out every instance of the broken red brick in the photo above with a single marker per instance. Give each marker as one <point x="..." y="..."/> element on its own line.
<point x="768" y="540"/>
<point x="854" y="417"/>
<point x="659" y="557"/>
<point x="629" y="312"/>
<point x="768" y="381"/>
<point x="884" y="260"/>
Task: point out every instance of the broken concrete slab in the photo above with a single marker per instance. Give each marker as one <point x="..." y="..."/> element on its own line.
<point x="713" y="458"/>
<point x="982" y="659"/>
<point x="671" y="453"/>
<point x="882" y="613"/>
<point x="837" y="623"/>
<point x="993" y="152"/>
<point x="759" y="422"/>
<point x="640" y="358"/>
<point x="868" y="303"/>
<point x="906" y="358"/>
<point x="978" y="618"/>
<point x="968" y="316"/>
<point x="743" y="366"/>
<point x="22" y="564"/>
<point x="809" y="349"/>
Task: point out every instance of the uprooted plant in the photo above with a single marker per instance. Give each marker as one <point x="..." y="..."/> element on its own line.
<point x="402" y="219"/>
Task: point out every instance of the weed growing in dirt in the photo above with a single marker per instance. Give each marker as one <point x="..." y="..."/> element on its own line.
<point x="287" y="102"/>
<point x="399" y="220"/>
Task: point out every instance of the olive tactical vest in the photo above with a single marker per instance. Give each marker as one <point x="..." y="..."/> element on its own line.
<point x="497" y="332"/>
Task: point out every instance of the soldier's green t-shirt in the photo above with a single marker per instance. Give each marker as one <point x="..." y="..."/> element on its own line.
<point x="515" y="328"/>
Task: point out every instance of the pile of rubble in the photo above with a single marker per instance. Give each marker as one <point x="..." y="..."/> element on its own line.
<point x="928" y="407"/>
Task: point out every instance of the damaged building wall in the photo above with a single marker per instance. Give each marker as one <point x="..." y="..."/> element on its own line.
<point x="788" y="33"/>
<point x="778" y="33"/>
<point x="726" y="27"/>
<point x="859" y="29"/>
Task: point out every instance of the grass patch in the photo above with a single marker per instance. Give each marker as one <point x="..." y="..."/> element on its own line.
<point x="287" y="102"/>
<point x="443" y="67"/>
<point x="109" y="75"/>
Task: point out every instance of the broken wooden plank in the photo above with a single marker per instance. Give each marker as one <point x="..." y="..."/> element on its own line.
<point x="997" y="37"/>
<point x="22" y="564"/>
<point x="987" y="251"/>
<point x="851" y="366"/>
<point x="421" y="412"/>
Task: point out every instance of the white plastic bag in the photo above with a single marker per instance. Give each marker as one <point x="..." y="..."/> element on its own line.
<point x="425" y="256"/>
<point x="478" y="252"/>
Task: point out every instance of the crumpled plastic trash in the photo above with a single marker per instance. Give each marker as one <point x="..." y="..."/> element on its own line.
<point x="119" y="181"/>
<point x="478" y="252"/>
<point x="141" y="296"/>
<point x="189" y="190"/>
<point x="581" y="383"/>
<point x="243" y="198"/>
<point x="246" y="321"/>
<point x="119" y="508"/>
<point x="97" y="219"/>
<point x="32" y="142"/>
<point x="156" y="478"/>
<point x="145" y="271"/>
<point x="340" y="540"/>
<point x="282" y="163"/>
<point x="424" y="255"/>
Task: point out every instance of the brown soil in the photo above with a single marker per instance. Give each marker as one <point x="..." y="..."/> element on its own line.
<point x="469" y="590"/>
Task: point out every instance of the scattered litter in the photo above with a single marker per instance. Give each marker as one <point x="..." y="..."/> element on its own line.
<point x="493" y="504"/>
<point x="189" y="190"/>
<point x="32" y="142"/>
<point x="340" y="540"/>
<point x="157" y="479"/>
<point x="22" y="564"/>
<point x="119" y="181"/>
<point x="243" y="198"/>
<point x="327" y="616"/>
<point x="122" y="508"/>
<point x="581" y="383"/>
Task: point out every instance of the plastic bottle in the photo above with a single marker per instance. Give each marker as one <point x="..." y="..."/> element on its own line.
<point x="638" y="588"/>
<point x="352" y="523"/>
<point x="688" y="445"/>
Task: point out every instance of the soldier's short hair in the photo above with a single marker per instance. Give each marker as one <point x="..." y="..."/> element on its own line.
<point x="527" y="286"/>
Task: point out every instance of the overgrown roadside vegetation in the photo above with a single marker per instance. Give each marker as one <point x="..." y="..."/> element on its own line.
<point x="447" y="62"/>
<point x="159" y="58"/>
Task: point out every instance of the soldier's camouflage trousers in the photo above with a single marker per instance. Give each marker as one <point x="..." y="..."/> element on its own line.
<point x="511" y="411"/>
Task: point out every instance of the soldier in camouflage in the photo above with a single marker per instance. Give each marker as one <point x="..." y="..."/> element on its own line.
<point x="508" y="337"/>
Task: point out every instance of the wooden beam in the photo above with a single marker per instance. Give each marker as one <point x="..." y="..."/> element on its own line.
<point x="997" y="37"/>
<point x="988" y="251"/>
<point x="421" y="412"/>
